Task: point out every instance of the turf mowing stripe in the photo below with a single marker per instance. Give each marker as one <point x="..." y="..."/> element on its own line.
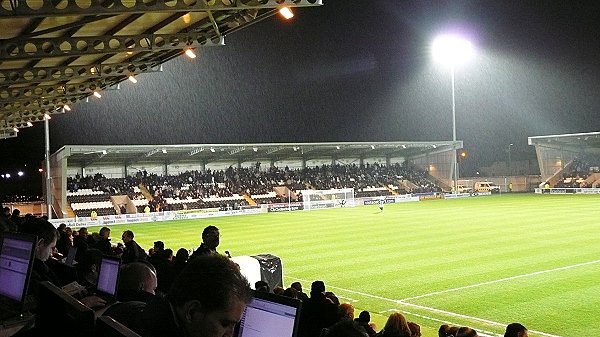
<point x="501" y="280"/>
<point x="430" y="309"/>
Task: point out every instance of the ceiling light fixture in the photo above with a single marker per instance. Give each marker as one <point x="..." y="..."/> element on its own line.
<point x="190" y="53"/>
<point x="286" y="12"/>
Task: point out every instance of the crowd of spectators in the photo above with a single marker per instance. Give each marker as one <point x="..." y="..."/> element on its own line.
<point x="576" y="173"/>
<point x="225" y="188"/>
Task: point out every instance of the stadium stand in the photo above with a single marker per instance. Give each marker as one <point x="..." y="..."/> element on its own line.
<point x="237" y="187"/>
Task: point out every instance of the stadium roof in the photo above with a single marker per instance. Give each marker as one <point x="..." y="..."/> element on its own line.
<point x="55" y="53"/>
<point x="572" y="141"/>
<point x="86" y="155"/>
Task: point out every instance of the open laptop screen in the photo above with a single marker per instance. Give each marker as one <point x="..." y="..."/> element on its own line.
<point x="270" y="315"/>
<point x="108" y="276"/>
<point x="16" y="261"/>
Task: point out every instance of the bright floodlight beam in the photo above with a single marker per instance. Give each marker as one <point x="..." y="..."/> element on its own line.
<point x="452" y="50"/>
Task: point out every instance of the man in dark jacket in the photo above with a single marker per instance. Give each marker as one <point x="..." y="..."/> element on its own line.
<point x="133" y="252"/>
<point x="103" y="244"/>
<point x="210" y="241"/>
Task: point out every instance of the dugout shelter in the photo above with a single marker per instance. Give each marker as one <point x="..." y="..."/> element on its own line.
<point x="119" y="161"/>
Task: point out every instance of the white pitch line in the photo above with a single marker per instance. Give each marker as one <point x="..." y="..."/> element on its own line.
<point x="401" y="302"/>
<point x="500" y="280"/>
<point x="347" y="299"/>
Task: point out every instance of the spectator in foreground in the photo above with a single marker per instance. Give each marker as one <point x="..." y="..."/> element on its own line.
<point x="300" y="295"/>
<point x="137" y="282"/>
<point x="464" y="331"/>
<point x="80" y="240"/>
<point x="47" y="236"/>
<point x="346" y="329"/>
<point x="207" y="300"/>
<point x="132" y="252"/>
<point x="345" y="312"/>
<point x="516" y="330"/>
<point x="318" y="312"/>
<point x="103" y="244"/>
<point x="395" y="326"/>
<point x="364" y="318"/>
<point x="415" y="329"/>
<point x="210" y="241"/>
<point x="262" y="286"/>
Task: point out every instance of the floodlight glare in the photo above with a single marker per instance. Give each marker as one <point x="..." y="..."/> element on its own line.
<point x="451" y="49"/>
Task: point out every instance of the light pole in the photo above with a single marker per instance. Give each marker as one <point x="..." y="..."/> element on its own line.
<point x="452" y="50"/>
<point x="509" y="161"/>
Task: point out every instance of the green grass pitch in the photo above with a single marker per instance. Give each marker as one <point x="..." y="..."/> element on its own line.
<point x="481" y="262"/>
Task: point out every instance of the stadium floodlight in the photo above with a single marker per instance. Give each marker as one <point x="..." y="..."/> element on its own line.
<point x="452" y="50"/>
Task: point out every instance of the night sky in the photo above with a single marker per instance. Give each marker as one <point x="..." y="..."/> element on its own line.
<point x="359" y="71"/>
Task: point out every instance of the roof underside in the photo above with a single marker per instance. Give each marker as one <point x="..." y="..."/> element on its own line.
<point x="58" y="52"/>
<point x="574" y="141"/>
<point x="125" y="155"/>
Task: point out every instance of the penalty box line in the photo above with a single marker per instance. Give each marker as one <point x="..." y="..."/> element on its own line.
<point x="501" y="280"/>
<point x="430" y="309"/>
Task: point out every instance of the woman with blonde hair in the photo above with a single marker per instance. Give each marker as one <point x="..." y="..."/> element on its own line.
<point x="396" y="326"/>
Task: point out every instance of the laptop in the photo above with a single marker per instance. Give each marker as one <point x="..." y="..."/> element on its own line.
<point x="16" y="263"/>
<point x="107" y="282"/>
<point x="269" y="315"/>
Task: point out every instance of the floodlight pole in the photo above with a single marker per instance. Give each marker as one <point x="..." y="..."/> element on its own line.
<point x="454" y="159"/>
<point x="509" y="160"/>
<point x="48" y="176"/>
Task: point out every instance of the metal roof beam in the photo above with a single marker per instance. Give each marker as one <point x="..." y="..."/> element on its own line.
<point x="50" y="91"/>
<point x="96" y="8"/>
<point x="113" y="44"/>
<point x="62" y="73"/>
